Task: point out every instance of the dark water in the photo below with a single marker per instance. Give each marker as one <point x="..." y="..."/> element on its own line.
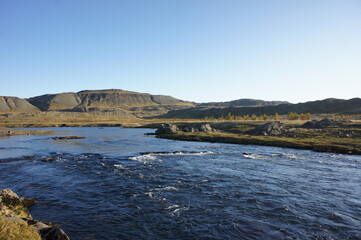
<point x="102" y="187"/>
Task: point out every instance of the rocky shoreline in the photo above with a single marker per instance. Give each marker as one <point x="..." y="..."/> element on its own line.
<point x="17" y="222"/>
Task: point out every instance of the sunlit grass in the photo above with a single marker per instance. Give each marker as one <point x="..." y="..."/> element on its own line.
<point x="17" y="230"/>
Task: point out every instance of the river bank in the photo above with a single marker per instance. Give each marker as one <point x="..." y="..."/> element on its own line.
<point x="339" y="137"/>
<point x="314" y="144"/>
<point x="13" y="132"/>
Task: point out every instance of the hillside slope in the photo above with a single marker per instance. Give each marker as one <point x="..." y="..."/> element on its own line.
<point x="15" y="104"/>
<point x="103" y="100"/>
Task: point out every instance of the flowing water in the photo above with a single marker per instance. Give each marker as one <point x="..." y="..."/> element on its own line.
<point x="120" y="184"/>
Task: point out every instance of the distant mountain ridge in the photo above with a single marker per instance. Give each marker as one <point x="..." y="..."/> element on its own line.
<point x="244" y="102"/>
<point x="330" y="105"/>
<point x="148" y="105"/>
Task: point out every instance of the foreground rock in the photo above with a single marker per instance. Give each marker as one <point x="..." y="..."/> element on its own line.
<point x="319" y="124"/>
<point x="17" y="223"/>
<point x="269" y="129"/>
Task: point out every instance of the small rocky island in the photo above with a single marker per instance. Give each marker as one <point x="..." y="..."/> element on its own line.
<point x="16" y="221"/>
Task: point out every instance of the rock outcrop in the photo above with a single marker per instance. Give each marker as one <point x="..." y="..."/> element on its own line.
<point x="205" y="128"/>
<point x="172" y="128"/>
<point x="14" y="212"/>
<point x="319" y="124"/>
<point x="269" y="129"/>
<point x="167" y="129"/>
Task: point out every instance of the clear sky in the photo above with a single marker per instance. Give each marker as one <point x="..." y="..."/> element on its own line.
<point x="197" y="50"/>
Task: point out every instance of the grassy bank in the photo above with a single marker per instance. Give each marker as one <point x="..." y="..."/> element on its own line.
<point x="319" y="144"/>
<point x="344" y="138"/>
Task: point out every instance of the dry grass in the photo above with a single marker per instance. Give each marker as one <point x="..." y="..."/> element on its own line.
<point x="17" y="230"/>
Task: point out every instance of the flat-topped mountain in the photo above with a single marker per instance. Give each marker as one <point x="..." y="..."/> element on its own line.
<point x="103" y="99"/>
<point x="15" y="104"/>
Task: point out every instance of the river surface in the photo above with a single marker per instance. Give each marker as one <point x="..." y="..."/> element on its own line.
<point x="108" y="186"/>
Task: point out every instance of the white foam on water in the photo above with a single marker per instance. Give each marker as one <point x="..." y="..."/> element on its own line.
<point x="145" y="158"/>
<point x="268" y="156"/>
<point x="352" y="158"/>
<point x="171" y="207"/>
<point x="255" y="156"/>
<point x="149" y="194"/>
<point x="178" y="210"/>
<point x="119" y="166"/>
<point x="181" y="153"/>
<point x="166" y="189"/>
<point x="152" y="157"/>
<point x="289" y="155"/>
<point x="59" y="159"/>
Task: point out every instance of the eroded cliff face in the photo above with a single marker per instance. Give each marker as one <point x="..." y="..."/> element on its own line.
<point x="15" y="104"/>
<point x="103" y="100"/>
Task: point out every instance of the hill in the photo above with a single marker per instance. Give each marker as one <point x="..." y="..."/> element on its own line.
<point x="331" y="105"/>
<point x="100" y="100"/>
<point x="15" y="104"/>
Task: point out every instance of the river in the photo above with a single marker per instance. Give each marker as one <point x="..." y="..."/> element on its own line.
<point x="121" y="184"/>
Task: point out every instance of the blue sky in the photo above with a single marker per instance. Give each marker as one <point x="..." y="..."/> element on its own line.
<point x="203" y="50"/>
